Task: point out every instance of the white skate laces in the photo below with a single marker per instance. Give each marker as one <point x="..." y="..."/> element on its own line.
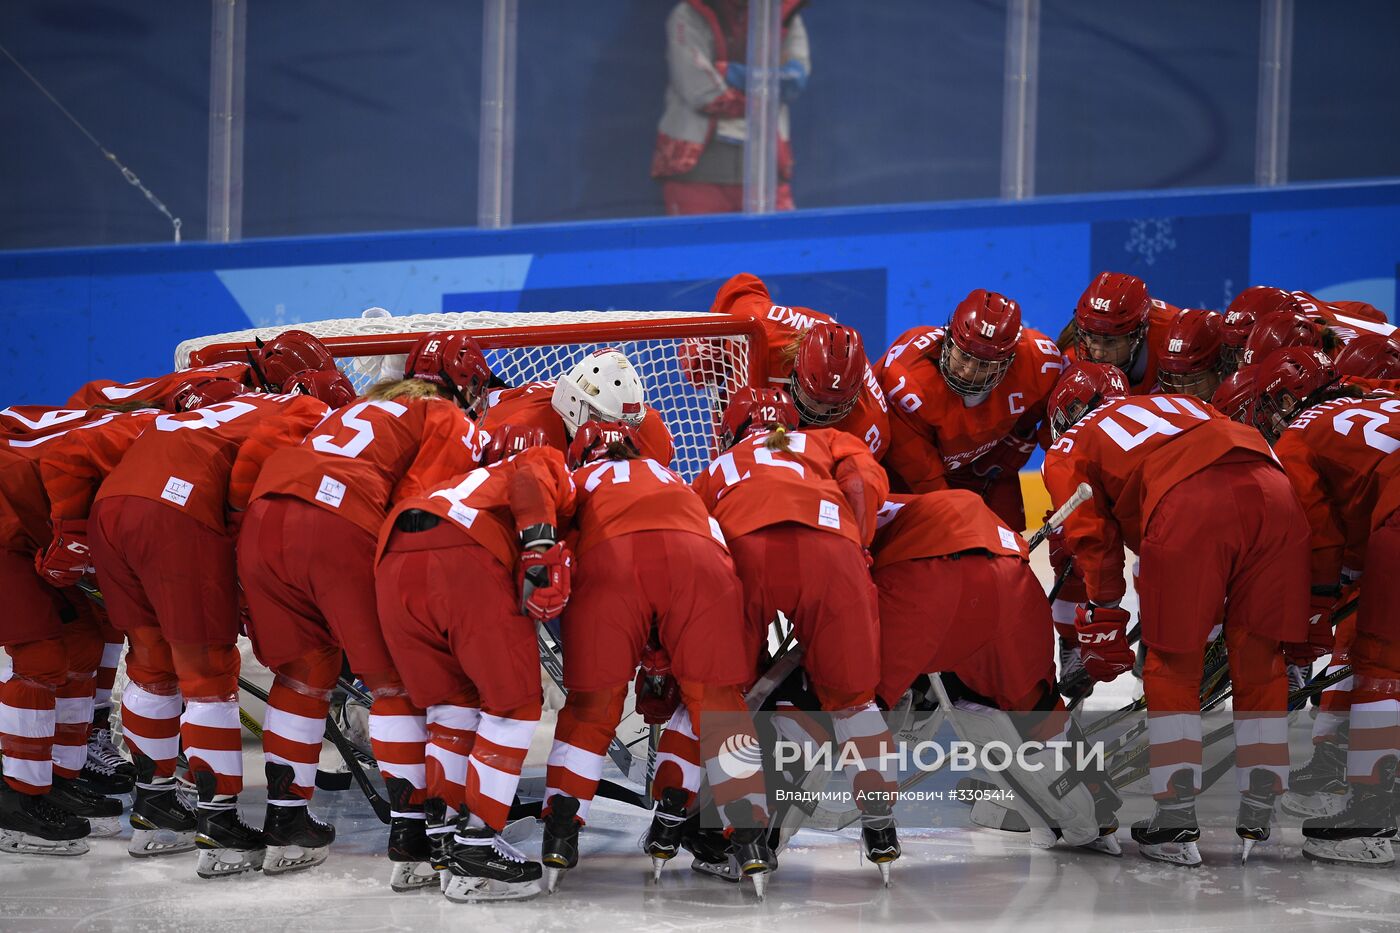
<point x="497" y="842"/>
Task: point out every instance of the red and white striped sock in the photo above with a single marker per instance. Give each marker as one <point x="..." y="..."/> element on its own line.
<point x="451" y="735"/>
<point x="73" y="710"/>
<point x="1375" y="731"/>
<point x="151" y="723"/>
<point x="213" y="743"/>
<point x="398" y="733"/>
<point x="26" y="733"/>
<point x="293" y="728"/>
<point x="493" y="768"/>
<point x="582" y="734"/>
<point x="107" y="673"/>
<point x="679" y="762"/>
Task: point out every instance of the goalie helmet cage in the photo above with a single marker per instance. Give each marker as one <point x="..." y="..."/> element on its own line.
<point x="689" y="362"/>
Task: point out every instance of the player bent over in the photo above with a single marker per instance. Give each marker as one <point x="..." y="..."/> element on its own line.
<point x="1192" y="493"/>
<point x="453" y="621"/>
<point x="306" y="560"/>
<point x="798" y="508"/>
<point x="957" y="595"/>
<point x="1341" y="448"/>
<point x="652" y="582"/>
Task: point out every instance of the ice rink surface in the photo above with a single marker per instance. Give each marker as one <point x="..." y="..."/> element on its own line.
<point x="952" y="878"/>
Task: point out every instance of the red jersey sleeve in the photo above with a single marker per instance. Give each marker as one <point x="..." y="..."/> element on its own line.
<point x="655" y="438"/>
<point x="1091" y="532"/>
<point x="862" y="482"/>
<point x="541" y="490"/>
<point x="450" y="445"/>
<point x="1328" y="538"/>
<point x="75" y="466"/>
<point x="286" y="429"/>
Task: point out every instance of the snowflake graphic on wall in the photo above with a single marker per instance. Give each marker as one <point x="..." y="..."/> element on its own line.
<point x="1149" y="238"/>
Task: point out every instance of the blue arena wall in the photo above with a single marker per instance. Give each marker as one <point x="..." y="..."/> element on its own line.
<point x="118" y="312"/>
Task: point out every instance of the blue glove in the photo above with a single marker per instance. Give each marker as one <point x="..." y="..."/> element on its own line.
<point x="792" y="81"/>
<point x="736" y="75"/>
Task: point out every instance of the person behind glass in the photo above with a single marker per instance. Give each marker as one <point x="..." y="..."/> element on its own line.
<point x="699" y="155"/>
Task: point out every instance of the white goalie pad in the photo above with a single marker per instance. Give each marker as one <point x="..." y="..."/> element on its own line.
<point x="1053" y="801"/>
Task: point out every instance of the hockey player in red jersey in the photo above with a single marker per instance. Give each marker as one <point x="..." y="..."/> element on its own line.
<point x="55" y="645"/>
<point x="1370" y="356"/>
<point x="969" y="402"/>
<point x="1118" y="323"/>
<point x="165" y="562"/>
<point x="1182" y="486"/>
<point x="1191" y="361"/>
<point x="456" y="625"/>
<point x="820" y="364"/>
<point x="957" y="595"/>
<point x="654" y="586"/>
<point x="603" y="386"/>
<point x="335" y="487"/>
<point x="1287" y="329"/>
<point x="1338" y="445"/>
<point x="1234" y="398"/>
<point x="798" y="508"/>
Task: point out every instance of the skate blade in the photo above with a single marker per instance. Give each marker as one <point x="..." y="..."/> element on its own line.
<point x="226" y="863"/>
<point x="1313" y="806"/>
<point x="760" y="883"/>
<point x="104" y="827"/>
<point x="411" y="877"/>
<point x="656" y="865"/>
<point x="1366" y="852"/>
<point x="16" y="843"/>
<point x="462" y="889"/>
<point x="1106" y="844"/>
<point x="552" y="876"/>
<point x="279" y="860"/>
<point x="724" y="871"/>
<point x="152" y="843"/>
<point x="1186" y="854"/>
<point x="884" y="872"/>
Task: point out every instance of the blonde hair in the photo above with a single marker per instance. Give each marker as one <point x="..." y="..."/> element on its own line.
<point x="404" y="388"/>
<point x="134" y="404"/>
<point x="778" y="439"/>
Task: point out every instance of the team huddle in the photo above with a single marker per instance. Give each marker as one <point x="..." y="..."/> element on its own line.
<point x="416" y="539"/>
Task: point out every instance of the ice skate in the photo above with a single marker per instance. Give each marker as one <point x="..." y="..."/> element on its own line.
<point x="879" y="842"/>
<point x="102" y="813"/>
<point x="1360" y="834"/>
<point x="227" y="845"/>
<point x="663" y="839"/>
<point x="1075" y="682"/>
<point x="1256" y="811"/>
<point x="408" y="842"/>
<point x="31" y="825"/>
<point x="711" y="856"/>
<point x="748" y="848"/>
<point x="483" y="867"/>
<point x="295" y="838"/>
<point x="1172" y="833"/>
<point x="106" y="770"/>
<point x="559" y="847"/>
<point x="162" y="822"/>
<point x="1319" y="788"/>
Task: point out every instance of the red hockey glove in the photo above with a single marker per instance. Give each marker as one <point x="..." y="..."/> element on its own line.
<point x="1103" y="642"/>
<point x="544" y="580"/>
<point x="658" y="692"/>
<point x="67" y="557"/>
<point x="1073" y="588"/>
<point x="1320" y="636"/>
<point x="1008" y="456"/>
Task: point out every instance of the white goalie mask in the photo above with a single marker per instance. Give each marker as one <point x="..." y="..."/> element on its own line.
<point x="602" y="386"/>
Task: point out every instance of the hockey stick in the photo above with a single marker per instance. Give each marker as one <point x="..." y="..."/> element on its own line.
<point x="1082" y="494"/>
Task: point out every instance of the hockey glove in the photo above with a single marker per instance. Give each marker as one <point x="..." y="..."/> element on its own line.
<point x="1072" y="590"/>
<point x="1103" y="641"/>
<point x="658" y="692"/>
<point x="1320" y="636"/>
<point x="544" y="582"/>
<point x="67" y="557"/>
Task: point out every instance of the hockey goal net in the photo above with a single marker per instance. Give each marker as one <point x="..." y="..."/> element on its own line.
<point x="689" y="363"/>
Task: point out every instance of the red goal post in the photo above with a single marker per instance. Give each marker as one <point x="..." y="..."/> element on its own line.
<point x="689" y="362"/>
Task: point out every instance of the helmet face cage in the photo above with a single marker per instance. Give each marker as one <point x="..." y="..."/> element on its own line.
<point x="1273" y="412"/>
<point x="819" y="414"/>
<point x="1067" y="417"/>
<point x="1230" y="358"/>
<point x="1084" y="337"/>
<point x="1202" y="383"/>
<point x="967" y="374"/>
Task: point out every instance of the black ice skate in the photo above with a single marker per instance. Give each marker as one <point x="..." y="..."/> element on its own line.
<point x="106" y="770"/>
<point x="879" y="840"/>
<point x="408" y="842"/>
<point x="748" y="848"/>
<point x="663" y="840"/>
<point x="1360" y="834"/>
<point x="31" y="825"/>
<point x="295" y="838"/>
<point x="102" y="813"/>
<point x="1319" y="788"/>
<point x="227" y="845"/>
<point x="1075" y="682"/>
<point x="559" y="848"/>
<point x="162" y="823"/>
<point x="483" y="867"/>
<point x="1172" y="833"/>
<point x="1256" y="814"/>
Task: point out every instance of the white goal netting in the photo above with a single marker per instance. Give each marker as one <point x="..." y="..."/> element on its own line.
<point x="688" y="362"/>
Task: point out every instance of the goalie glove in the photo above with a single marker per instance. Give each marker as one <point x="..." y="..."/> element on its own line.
<point x="544" y="582"/>
<point x="1102" y="633"/>
<point x="67" y="557"/>
<point x="658" y="692"/>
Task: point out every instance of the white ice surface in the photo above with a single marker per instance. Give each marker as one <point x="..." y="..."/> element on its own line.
<point x="951" y="878"/>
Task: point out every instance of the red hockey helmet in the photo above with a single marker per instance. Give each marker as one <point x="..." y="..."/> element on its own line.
<point x="329" y="385"/>
<point x="1278" y="330"/>
<point x="510" y="439"/>
<point x="289" y="353"/>
<point x="1082" y="388"/>
<point x="827" y="373"/>
<point x="595" y="439"/>
<point x="1114" y="305"/>
<point x="1370" y="356"/>
<point x="1286" y="380"/>
<point x="980" y="343"/>
<point x="750" y="408"/>
<point x="453" y="360"/>
<point x="1234" y="398"/>
<point x="203" y="390"/>
<point x="1191" y="353"/>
